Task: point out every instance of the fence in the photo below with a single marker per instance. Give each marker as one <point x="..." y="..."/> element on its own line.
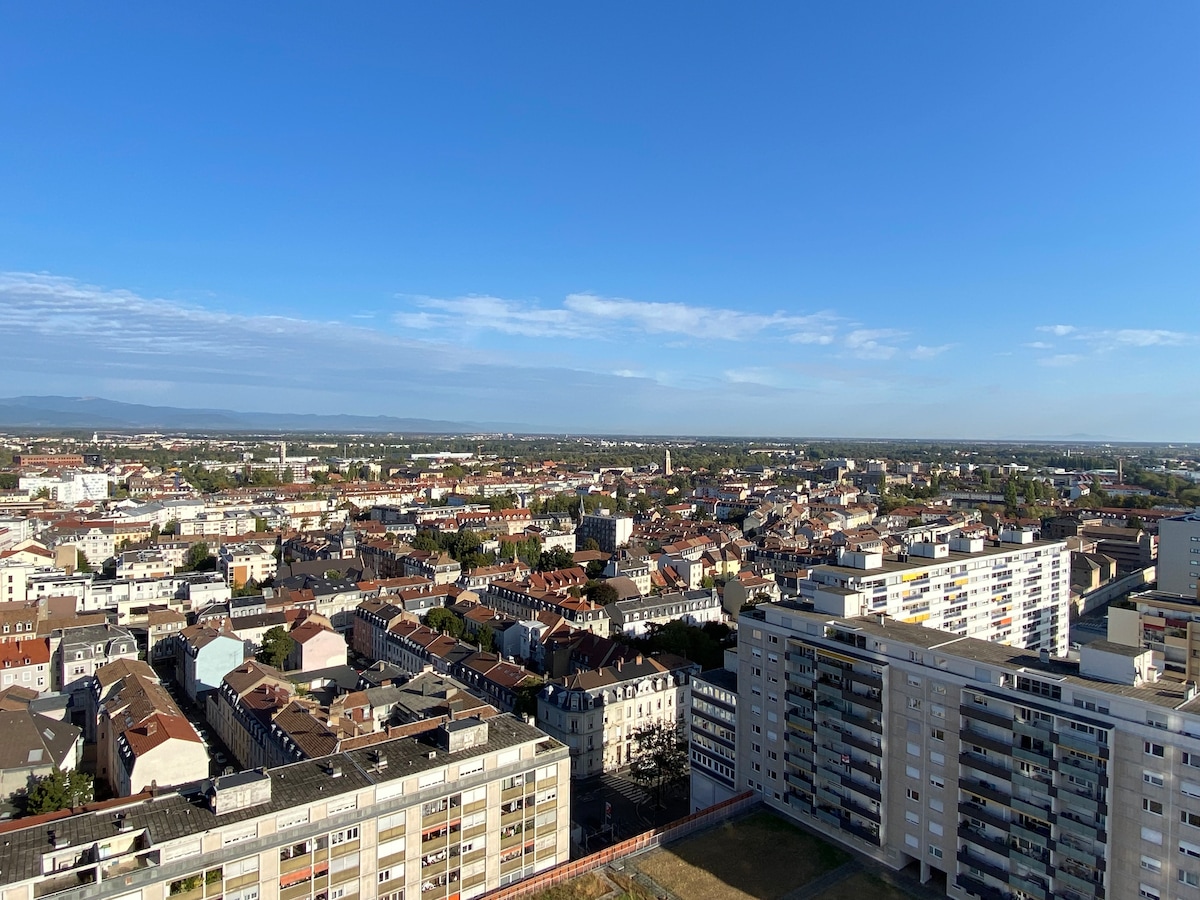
<point x="647" y="840"/>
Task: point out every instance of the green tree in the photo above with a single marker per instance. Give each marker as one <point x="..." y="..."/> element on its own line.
<point x="525" y="701"/>
<point x="81" y="562"/>
<point x="590" y="544"/>
<point x="59" y="790"/>
<point x="172" y="527"/>
<point x="985" y="479"/>
<point x="660" y="758"/>
<point x="277" y="645"/>
<point x="487" y="638"/>
<point x="555" y="558"/>
<point x="1010" y="497"/>
<point x="197" y="554"/>
<point x="601" y="593"/>
<point x="442" y="619"/>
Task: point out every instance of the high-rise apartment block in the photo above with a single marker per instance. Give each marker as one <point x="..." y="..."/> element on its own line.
<point x="1001" y="773"/>
<point x="452" y="814"/>
<point x="1013" y="591"/>
<point x="1178" y="566"/>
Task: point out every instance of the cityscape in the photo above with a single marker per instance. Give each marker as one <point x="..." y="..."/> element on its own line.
<point x="658" y="452"/>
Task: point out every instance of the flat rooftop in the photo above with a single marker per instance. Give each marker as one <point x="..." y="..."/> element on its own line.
<point x="892" y="565"/>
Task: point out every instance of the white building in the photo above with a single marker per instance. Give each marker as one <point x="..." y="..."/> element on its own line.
<point x="1178" y="565"/>
<point x="1015" y="591"/>
<point x="239" y="563"/>
<point x="598" y="713"/>
<point x="69" y="488"/>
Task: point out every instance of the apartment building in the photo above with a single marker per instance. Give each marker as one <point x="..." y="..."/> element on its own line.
<point x="1168" y="624"/>
<point x="1178" y="566"/>
<point x="999" y="772"/>
<point x="1013" y="591"/>
<point x="240" y="563"/>
<point x="635" y="617"/>
<point x="453" y="813"/>
<point x="610" y="532"/>
<point x="712" y="737"/>
<point x="598" y="713"/>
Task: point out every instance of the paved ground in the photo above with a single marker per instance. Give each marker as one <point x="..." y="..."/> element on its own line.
<point x="632" y="809"/>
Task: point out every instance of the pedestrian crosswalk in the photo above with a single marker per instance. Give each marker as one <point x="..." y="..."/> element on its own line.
<point x="630" y="790"/>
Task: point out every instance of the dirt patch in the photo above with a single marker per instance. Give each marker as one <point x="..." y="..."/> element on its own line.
<point x="760" y="857"/>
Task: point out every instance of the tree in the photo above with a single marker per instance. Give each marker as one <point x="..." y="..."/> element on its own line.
<point x="601" y="593"/>
<point x="590" y="544"/>
<point x="525" y="701"/>
<point x="555" y="558"/>
<point x="1010" y="497"/>
<point x="59" y="790"/>
<point x="442" y="619"/>
<point x="660" y="758"/>
<point x="172" y="527"/>
<point x="985" y="479"/>
<point x="196" y="555"/>
<point x="487" y="638"/>
<point x="81" y="562"/>
<point x="277" y="646"/>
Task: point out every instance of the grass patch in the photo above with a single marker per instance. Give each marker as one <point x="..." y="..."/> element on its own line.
<point x="863" y="885"/>
<point x="761" y="857"/>
<point x="593" y="886"/>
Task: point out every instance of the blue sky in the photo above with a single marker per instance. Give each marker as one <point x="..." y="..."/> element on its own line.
<point x="878" y="219"/>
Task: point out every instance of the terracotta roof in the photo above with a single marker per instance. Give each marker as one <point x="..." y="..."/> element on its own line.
<point x="24" y="653"/>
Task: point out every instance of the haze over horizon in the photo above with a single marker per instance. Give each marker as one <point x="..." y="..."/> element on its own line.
<point x="944" y="221"/>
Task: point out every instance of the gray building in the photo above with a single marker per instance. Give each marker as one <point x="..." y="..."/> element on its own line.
<point x="1178" y="566"/>
<point x="998" y="772"/>
<point x="712" y="737"/>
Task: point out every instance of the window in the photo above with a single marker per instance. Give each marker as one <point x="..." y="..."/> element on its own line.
<point x="937" y="734"/>
<point x="1189" y="878"/>
<point x="936" y="805"/>
<point x="913" y="794"/>
<point x="1150" y="864"/>
<point x="914" y="681"/>
<point x="1152" y="806"/>
<point x="937" y="781"/>
<point x="912" y="771"/>
<point x="935" y="852"/>
<point x="1153" y="778"/>
<point x="1146" y="892"/>
<point x="1153" y="749"/>
<point x="1149" y="834"/>
<point x="1190" y="818"/>
<point x="912" y="818"/>
<point x="914" y="703"/>
<point x="1187" y="848"/>
<point x="914" y="749"/>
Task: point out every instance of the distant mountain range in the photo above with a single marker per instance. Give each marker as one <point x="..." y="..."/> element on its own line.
<point x="98" y="413"/>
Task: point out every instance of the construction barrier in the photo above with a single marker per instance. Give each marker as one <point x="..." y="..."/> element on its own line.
<point x="647" y="840"/>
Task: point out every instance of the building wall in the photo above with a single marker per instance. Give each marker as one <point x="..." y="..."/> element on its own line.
<point x="1002" y="775"/>
<point x="452" y="829"/>
<point x="1178" y="564"/>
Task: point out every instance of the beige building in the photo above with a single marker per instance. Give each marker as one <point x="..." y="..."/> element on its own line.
<point x="597" y="713"/>
<point x="1168" y="624"/>
<point x="240" y="563"/>
<point x="460" y="811"/>
<point x="1000" y="773"/>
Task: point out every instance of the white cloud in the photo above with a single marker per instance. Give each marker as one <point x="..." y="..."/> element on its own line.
<point x="923" y="352"/>
<point x="1060" y="360"/>
<point x="591" y="315"/>
<point x="1103" y="340"/>
<point x="869" y="343"/>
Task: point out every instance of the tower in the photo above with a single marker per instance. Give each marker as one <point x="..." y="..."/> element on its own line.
<point x="667" y="464"/>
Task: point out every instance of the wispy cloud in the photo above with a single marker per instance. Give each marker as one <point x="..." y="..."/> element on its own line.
<point x="591" y="315"/>
<point x="1058" y="330"/>
<point x="1104" y="340"/>
<point x="874" y="343"/>
<point x="1061" y="360"/>
<point x="922" y="352"/>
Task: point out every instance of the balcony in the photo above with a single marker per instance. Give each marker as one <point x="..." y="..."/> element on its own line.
<point x="1084" y="886"/>
<point x="983" y="764"/>
<point x="982" y="889"/>
<point x="1039" y="810"/>
<point x="980" y="838"/>
<point x="1003" y="747"/>
<point x="987" y="790"/>
<point x="981" y="713"/>
<point x="1067" y="850"/>
<point x="984" y="814"/>
<point x="1083" y="743"/>
<point x="983" y="864"/>
<point x="1032" y="885"/>
<point x="1087" y="830"/>
<point x="1034" y="728"/>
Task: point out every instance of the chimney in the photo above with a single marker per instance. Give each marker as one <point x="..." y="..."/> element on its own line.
<point x="638" y="659"/>
<point x="620" y="663"/>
